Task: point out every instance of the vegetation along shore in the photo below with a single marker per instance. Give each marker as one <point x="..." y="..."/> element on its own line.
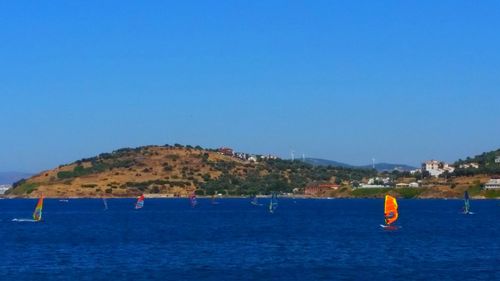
<point x="177" y="171"/>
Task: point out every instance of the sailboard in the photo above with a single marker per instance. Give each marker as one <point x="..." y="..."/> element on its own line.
<point x="105" y="202"/>
<point x="37" y="214"/>
<point x="390" y="212"/>
<point x="255" y="201"/>
<point x="214" y="201"/>
<point x="273" y="204"/>
<point x="466" y="209"/>
<point x="140" y="202"/>
<point x="192" y="200"/>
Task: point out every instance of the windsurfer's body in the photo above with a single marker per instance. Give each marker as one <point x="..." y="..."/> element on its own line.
<point x="388" y="218"/>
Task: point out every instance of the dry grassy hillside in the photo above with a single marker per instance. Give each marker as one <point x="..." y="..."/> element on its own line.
<point x="172" y="171"/>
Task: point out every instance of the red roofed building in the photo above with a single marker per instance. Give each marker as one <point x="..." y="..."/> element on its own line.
<point x="226" y="151"/>
<point x="320" y="189"/>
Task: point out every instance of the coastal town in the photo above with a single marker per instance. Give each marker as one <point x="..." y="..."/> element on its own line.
<point x="430" y="168"/>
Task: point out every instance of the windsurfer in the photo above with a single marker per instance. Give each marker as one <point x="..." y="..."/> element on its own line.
<point x="388" y="216"/>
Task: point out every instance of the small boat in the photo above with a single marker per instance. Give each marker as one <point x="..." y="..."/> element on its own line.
<point x="390" y="212"/>
<point x="192" y="200"/>
<point x="273" y="204"/>
<point x="466" y="210"/>
<point x="140" y="202"/>
<point x="255" y="201"/>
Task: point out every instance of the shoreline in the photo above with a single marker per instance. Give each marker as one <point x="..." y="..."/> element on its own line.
<point x="148" y="196"/>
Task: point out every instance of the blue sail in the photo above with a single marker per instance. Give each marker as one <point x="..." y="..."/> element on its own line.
<point x="466" y="203"/>
<point x="273" y="204"/>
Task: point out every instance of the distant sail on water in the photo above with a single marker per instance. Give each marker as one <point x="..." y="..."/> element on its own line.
<point x="255" y="201"/>
<point x="37" y="214"/>
<point x="105" y="202"/>
<point x="467" y="204"/>
<point x="140" y="202"/>
<point x="273" y="204"/>
<point x="192" y="199"/>
<point x="214" y="201"/>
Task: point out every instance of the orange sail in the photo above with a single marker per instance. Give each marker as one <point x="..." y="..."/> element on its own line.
<point x="37" y="214"/>
<point x="390" y="209"/>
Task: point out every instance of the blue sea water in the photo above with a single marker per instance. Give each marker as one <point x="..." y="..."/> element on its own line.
<point x="234" y="240"/>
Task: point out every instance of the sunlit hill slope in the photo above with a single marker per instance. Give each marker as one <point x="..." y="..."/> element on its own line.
<point x="176" y="171"/>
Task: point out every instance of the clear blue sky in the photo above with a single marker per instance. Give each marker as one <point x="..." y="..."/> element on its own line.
<point x="400" y="81"/>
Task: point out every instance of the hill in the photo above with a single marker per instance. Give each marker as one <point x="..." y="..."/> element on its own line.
<point x="489" y="164"/>
<point x="177" y="171"/>
<point x="325" y="162"/>
<point x="11" y="177"/>
<point x="170" y="171"/>
<point x="483" y="159"/>
<point x="381" y="167"/>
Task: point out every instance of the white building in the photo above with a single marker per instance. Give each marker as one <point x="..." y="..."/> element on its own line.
<point x="497" y="159"/>
<point x="469" y="165"/>
<point x="252" y="158"/>
<point x="415" y="171"/>
<point x="492" y="184"/>
<point x="379" y="180"/>
<point x="269" y="156"/>
<point x="4" y="187"/>
<point x="373" y="186"/>
<point x="436" y="168"/>
<point x="413" y="184"/>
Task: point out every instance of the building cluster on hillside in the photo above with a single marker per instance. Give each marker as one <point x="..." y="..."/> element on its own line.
<point x="436" y="168"/>
<point x="472" y="165"/>
<point x="4" y="187"/>
<point x="377" y="182"/>
<point x="387" y="182"/>
<point x="404" y="184"/>
<point x="493" y="183"/>
<point x="245" y="156"/>
<point x="226" y="151"/>
<point x="415" y="171"/>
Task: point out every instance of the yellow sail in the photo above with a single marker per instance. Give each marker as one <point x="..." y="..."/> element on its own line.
<point x="37" y="214"/>
<point x="390" y="209"/>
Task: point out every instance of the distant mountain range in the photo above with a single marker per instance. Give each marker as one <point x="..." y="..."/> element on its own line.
<point x="378" y="166"/>
<point x="11" y="177"/>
